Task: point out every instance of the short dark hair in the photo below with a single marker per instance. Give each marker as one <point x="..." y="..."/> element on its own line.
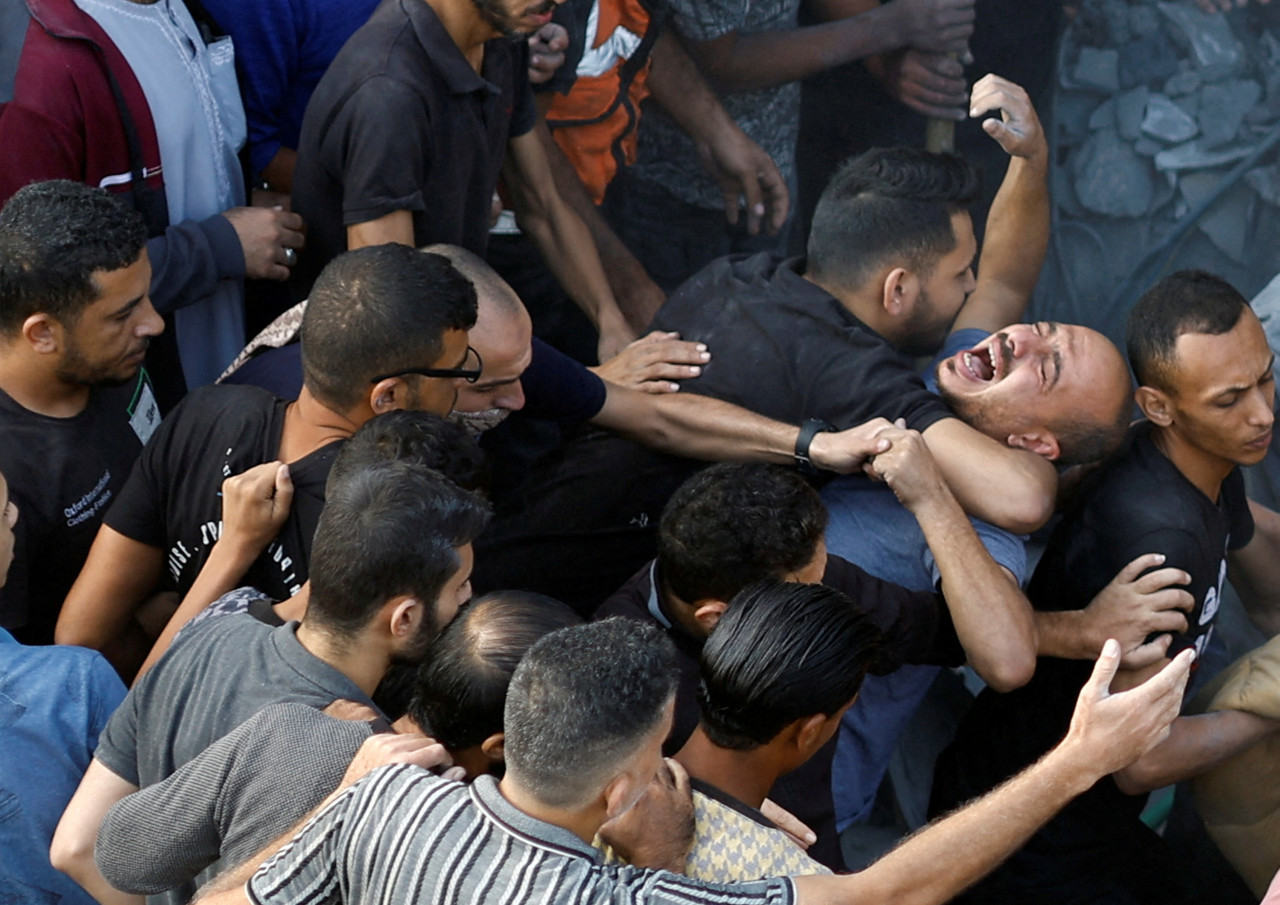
<point x="782" y="652"/>
<point x="53" y="236"/>
<point x="379" y="310"/>
<point x="1189" y="301"/>
<point x="580" y="703"/>
<point x="387" y="530"/>
<point x="462" y="686"/>
<point x="735" y="523"/>
<point x="420" y="437"/>
<point x="1082" y="440"/>
<point x="888" y="205"/>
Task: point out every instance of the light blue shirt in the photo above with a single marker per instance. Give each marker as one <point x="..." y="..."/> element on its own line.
<point x="870" y="528"/>
<point x="53" y="703"/>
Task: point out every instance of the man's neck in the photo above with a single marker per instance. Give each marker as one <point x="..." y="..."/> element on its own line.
<point x="584" y="824"/>
<point x="31" y="384"/>
<point x="462" y="20"/>
<point x="864" y="308"/>
<point x="362" y="663"/>
<point x="680" y="613"/>
<point x="1206" y="472"/>
<point x="308" y="425"/>
<point x="746" y="775"/>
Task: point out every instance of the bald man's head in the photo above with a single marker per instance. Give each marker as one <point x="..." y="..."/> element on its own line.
<point x="502" y="335"/>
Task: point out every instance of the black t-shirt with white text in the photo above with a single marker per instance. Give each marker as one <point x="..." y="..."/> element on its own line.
<point x="173" y="499"/>
<point x="1139" y="503"/>
<point x="63" y="473"/>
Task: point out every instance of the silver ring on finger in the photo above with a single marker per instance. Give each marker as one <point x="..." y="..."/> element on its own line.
<point x="290" y="257"/>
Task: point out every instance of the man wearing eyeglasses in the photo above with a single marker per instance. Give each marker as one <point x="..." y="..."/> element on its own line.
<point x="386" y="329"/>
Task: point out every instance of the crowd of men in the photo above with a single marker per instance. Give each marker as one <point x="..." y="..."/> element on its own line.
<point x="327" y="425"/>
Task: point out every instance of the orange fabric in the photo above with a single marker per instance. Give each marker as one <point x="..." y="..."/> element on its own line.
<point x="590" y="147"/>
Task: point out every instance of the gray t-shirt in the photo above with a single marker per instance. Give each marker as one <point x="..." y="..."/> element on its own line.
<point x="210" y="681"/>
<point x="770" y="116"/>
<point x="226" y="805"/>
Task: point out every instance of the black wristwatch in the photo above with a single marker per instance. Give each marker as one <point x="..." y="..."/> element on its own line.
<point x="808" y="431"/>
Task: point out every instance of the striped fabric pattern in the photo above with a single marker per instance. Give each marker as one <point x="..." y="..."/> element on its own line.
<point x="403" y="835"/>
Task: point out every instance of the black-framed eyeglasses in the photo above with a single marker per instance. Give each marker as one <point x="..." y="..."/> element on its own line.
<point x="469" y="374"/>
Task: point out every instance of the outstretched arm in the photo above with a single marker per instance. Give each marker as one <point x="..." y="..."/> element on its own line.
<point x="699" y="427"/>
<point x="745" y="62"/>
<point x="639" y="297"/>
<point x="1134" y="605"/>
<point x="1107" y="731"/>
<point x="1017" y="236"/>
<point x="1195" y="744"/>
<point x="377" y="751"/>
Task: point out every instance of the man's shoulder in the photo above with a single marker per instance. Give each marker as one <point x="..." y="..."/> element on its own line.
<point x="763" y="291"/>
<point x="212" y="639"/>
<point x="386" y="49"/>
<point x="224" y="410"/>
<point x="1139" y="487"/>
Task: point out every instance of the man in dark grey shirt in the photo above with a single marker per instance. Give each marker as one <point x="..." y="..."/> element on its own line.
<point x="393" y="563"/>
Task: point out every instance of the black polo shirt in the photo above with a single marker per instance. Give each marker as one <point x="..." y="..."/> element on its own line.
<point x="402" y="122"/>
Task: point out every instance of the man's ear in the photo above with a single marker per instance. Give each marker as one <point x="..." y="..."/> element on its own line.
<point x="404" y="616"/>
<point x="901" y="288"/>
<point x="1040" y="441"/>
<point x="389" y="395"/>
<point x="618" y="796"/>
<point x="43" y="333"/>
<point x="494" y="747"/>
<point x="1156" y="405"/>
<point x="808" y="734"/>
<point x="707" y="613"/>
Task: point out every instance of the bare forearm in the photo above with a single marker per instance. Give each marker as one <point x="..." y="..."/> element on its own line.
<point x="74" y="839"/>
<point x="1066" y="634"/>
<point x="771" y="58"/>
<point x="117" y="577"/>
<point x="951" y="854"/>
<point x="992" y="617"/>
<point x="1014" y="248"/>
<point x="621" y="268"/>
<point x="676" y="84"/>
<point x="697" y="427"/>
<point x="1195" y="744"/>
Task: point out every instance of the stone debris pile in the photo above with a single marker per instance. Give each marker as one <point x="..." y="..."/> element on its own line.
<point x="1157" y="102"/>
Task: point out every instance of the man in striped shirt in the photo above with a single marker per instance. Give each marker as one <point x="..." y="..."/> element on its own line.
<point x="586" y="714"/>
